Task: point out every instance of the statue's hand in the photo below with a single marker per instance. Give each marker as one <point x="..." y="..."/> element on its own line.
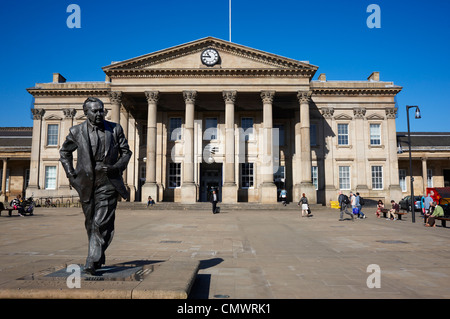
<point x="110" y="169"/>
<point x="71" y="174"/>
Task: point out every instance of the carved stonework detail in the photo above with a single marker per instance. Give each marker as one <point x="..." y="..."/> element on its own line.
<point x="304" y="96"/>
<point x="189" y="96"/>
<point x="69" y="113"/>
<point x="391" y="112"/>
<point x="152" y="96"/>
<point x="37" y="113"/>
<point x="267" y="96"/>
<point x="115" y="97"/>
<point x="359" y="112"/>
<point x="229" y="96"/>
<point x="327" y="112"/>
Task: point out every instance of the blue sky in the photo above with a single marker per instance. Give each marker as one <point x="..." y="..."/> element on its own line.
<point x="412" y="47"/>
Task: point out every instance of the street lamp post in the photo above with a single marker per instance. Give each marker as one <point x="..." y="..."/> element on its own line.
<point x="417" y="116"/>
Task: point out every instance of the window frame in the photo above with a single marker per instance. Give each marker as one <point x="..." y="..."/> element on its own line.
<point x="176" y="176"/>
<point x="172" y="129"/>
<point x="377" y="181"/>
<point x="248" y="175"/>
<point x="341" y="181"/>
<point x="47" y="177"/>
<point x="347" y="134"/>
<point x="53" y="135"/>
<point x="373" y="139"/>
<point x="248" y="136"/>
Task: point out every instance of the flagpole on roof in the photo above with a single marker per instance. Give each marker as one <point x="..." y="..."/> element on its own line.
<point x="229" y="15"/>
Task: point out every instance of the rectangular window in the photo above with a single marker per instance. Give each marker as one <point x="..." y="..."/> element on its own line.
<point x="50" y="177"/>
<point x="211" y="129"/>
<point x="175" y="128"/>
<point x="52" y="134"/>
<point x="402" y="179"/>
<point x="344" y="177"/>
<point x="315" y="177"/>
<point x="313" y="134"/>
<point x="375" y="134"/>
<point x="377" y="177"/>
<point x="429" y="177"/>
<point x="342" y="134"/>
<point x="246" y="175"/>
<point x="174" y="175"/>
<point x="247" y="126"/>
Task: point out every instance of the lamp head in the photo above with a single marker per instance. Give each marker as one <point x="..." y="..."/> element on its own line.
<point x="418" y="113"/>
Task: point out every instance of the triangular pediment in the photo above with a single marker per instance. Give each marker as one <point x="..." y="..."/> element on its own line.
<point x="186" y="58"/>
<point x="343" y="116"/>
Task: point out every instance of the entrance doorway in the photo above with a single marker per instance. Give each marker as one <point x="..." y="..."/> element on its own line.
<point x="210" y="178"/>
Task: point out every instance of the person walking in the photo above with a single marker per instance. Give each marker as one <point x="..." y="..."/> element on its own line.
<point x="358" y="205"/>
<point x="304" y="203"/>
<point x="344" y="202"/>
<point x="214" y="201"/>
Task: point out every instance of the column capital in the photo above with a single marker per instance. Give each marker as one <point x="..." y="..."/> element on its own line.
<point x="229" y="96"/>
<point x="327" y="112"/>
<point x="267" y="96"/>
<point x="391" y="112"/>
<point x="115" y="97"/>
<point x="189" y="96"/>
<point x="304" y="96"/>
<point x="69" y="113"/>
<point x="359" y="112"/>
<point x="152" y="96"/>
<point x="37" y="113"/>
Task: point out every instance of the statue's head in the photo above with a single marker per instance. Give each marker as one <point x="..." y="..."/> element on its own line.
<point x="94" y="110"/>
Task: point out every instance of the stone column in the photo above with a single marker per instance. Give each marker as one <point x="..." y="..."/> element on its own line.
<point x="306" y="186"/>
<point x="150" y="188"/>
<point x="394" y="185"/>
<point x="330" y="187"/>
<point x="360" y="153"/>
<point x="67" y="123"/>
<point x="424" y="175"/>
<point x="268" y="192"/>
<point x="33" y="184"/>
<point x="124" y="118"/>
<point x="188" y="187"/>
<point x="229" y="189"/>
<point x="116" y="101"/>
<point x="5" y="167"/>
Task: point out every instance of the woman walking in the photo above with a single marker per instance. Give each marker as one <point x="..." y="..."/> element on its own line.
<point x="304" y="202"/>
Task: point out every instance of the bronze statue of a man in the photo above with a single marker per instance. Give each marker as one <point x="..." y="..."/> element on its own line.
<point x="103" y="154"/>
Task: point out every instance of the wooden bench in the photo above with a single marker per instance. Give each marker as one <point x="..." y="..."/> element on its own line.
<point x="8" y="208"/>
<point x="399" y="214"/>
<point x="443" y="220"/>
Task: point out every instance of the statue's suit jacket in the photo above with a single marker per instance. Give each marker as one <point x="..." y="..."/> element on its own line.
<point x="117" y="154"/>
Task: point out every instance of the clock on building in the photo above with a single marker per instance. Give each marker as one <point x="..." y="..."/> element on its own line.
<point x="210" y="57"/>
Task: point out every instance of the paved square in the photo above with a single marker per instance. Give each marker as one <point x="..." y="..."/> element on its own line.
<point x="247" y="253"/>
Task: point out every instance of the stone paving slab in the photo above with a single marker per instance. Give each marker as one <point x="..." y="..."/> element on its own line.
<point x="237" y="254"/>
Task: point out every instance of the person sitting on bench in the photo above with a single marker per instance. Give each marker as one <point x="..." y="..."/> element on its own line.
<point x="392" y="213"/>
<point x="437" y="212"/>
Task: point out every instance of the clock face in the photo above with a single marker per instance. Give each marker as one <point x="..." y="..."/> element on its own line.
<point x="210" y="57"/>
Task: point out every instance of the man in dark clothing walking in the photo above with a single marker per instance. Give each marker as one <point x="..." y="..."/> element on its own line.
<point x="344" y="201"/>
<point x="214" y="201"/>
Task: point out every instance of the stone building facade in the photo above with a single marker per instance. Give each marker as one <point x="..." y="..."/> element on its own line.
<point x="212" y="113"/>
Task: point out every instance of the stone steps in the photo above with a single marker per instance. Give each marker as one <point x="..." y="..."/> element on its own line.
<point x="207" y="206"/>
